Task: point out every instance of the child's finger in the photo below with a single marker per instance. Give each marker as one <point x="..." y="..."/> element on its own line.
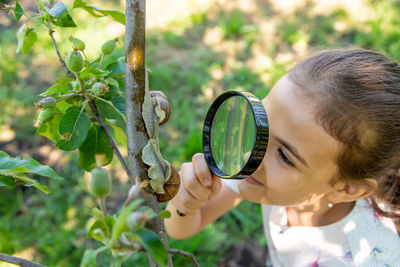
<point x="185" y="202"/>
<point x="202" y="170"/>
<point x="189" y="201"/>
<point x="192" y="184"/>
<point x="215" y="187"/>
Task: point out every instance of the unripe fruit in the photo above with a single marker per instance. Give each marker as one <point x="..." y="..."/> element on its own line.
<point x="45" y="115"/>
<point x="78" y="44"/>
<point x="47" y="102"/>
<point x="100" y="183"/>
<point x="108" y="47"/>
<point x="135" y="221"/>
<point x="74" y="61"/>
<point x="99" y="89"/>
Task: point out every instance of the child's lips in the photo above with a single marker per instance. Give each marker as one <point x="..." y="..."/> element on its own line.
<point x="251" y="180"/>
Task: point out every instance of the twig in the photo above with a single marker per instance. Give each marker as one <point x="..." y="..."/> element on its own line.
<point x="184" y="253"/>
<point x="78" y="77"/>
<point x="18" y="261"/>
<point x="70" y="74"/>
<point x="101" y="61"/>
<point x="103" y="205"/>
<point x="100" y="121"/>
<point x="134" y="191"/>
<point x="66" y="97"/>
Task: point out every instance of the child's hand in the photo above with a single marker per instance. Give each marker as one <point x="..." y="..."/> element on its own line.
<point x="198" y="185"/>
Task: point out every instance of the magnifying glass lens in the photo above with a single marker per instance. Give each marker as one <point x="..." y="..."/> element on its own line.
<point x="235" y="135"/>
<point x="232" y="135"/>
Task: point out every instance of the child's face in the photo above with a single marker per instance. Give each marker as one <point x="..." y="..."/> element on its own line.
<point x="284" y="178"/>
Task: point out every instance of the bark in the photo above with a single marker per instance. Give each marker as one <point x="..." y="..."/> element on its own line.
<point x="135" y="40"/>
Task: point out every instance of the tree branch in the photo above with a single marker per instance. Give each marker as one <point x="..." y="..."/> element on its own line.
<point x="114" y="147"/>
<point x="18" y="261"/>
<point x="70" y="74"/>
<point x="184" y="253"/>
<point x="135" y="16"/>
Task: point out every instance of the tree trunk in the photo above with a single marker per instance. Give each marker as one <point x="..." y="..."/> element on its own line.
<point x="135" y="40"/>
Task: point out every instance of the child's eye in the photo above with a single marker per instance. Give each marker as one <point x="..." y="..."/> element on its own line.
<point x="284" y="158"/>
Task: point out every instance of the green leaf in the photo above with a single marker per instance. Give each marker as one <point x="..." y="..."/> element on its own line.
<point x="10" y="166"/>
<point x="165" y="214"/>
<point x="58" y="10"/>
<point x="49" y="128"/>
<point x="79" y="3"/>
<point x="96" y="60"/>
<point x="95" y="144"/>
<point x="90" y="72"/>
<point x="63" y="81"/>
<point x="65" y="21"/>
<point x="21" y="37"/>
<point x="26" y="38"/>
<point x="152" y="244"/>
<point x="30" y="39"/>
<point x="117" y="68"/>
<point x="112" y="82"/>
<point x="110" y="113"/>
<point x="97" y="12"/>
<point x="120" y="223"/>
<point x="115" y="14"/>
<point x="7" y="181"/>
<point x="87" y="151"/>
<point x="31" y="182"/>
<point x="74" y="126"/>
<point x="113" y="88"/>
<point x="17" y="168"/>
<point x="62" y="107"/>
<point x="118" y="134"/>
<point x="56" y="89"/>
<point x="99" y="231"/>
<point x="90" y="10"/>
<point x="18" y="11"/>
<point x="96" y="213"/>
<point x="119" y="103"/>
<point x="89" y="258"/>
<point x="60" y="13"/>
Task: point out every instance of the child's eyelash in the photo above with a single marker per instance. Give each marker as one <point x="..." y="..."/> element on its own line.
<point x="284" y="158"/>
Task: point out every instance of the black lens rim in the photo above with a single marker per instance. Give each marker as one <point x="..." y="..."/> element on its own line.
<point x="261" y="135"/>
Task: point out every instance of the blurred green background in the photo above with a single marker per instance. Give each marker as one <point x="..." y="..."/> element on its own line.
<point x="195" y="50"/>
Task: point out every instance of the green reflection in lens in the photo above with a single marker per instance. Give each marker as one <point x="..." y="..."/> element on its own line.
<point x="232" y="135"/>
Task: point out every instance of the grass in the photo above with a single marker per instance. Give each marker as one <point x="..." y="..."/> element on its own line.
<point x="192" y="60"/>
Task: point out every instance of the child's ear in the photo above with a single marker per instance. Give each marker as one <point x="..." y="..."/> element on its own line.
<point x="350" y="191"/>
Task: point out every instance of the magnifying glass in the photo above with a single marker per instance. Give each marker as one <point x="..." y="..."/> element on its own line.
<point x="235" y="135"/>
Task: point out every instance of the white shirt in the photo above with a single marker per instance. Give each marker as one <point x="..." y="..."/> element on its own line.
<point x="363" y="238"/>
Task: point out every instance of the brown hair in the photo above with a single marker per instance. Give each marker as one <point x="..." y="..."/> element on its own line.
<point x="357" y="94"/>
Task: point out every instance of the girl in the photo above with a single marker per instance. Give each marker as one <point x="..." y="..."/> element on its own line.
<point x="329" y="183"/>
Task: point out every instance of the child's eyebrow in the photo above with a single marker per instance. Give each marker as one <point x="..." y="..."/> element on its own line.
<point x="292" y="150"/>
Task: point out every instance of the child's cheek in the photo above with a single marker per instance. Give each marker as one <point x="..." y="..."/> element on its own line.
<point x="281" y="179"/>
